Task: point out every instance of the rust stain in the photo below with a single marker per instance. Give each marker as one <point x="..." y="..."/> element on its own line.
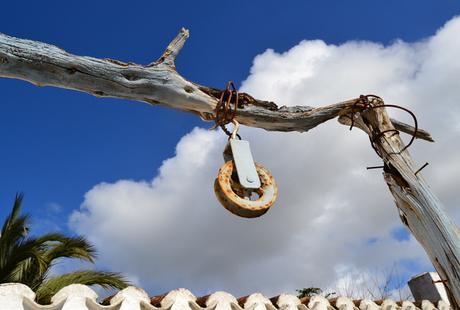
<point x="232" y="195"/>
<point x="117" y="62"/>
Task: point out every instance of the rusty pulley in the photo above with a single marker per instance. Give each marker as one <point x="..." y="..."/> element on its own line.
<point x="243" y="187"/>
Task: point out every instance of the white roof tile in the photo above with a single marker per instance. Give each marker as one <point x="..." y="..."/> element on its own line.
<point x="80" y="297"/>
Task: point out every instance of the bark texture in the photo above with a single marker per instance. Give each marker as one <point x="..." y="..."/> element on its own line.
<point x="420" y="210"/>
<point x="158" y="83"/>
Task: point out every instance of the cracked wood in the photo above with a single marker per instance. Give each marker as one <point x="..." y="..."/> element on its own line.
<point x="157" y="83"/>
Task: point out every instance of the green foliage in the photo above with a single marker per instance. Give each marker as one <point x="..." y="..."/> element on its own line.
<point x="51" y="286"/>
<point x="28" y="260"/>
<point x="312" y="291"/>
<point x="308" y="292"/>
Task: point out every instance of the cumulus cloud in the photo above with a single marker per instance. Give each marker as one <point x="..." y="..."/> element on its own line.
<point x="333" y="217"/>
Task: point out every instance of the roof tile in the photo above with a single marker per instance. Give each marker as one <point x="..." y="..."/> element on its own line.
<point x="80" y="297"/>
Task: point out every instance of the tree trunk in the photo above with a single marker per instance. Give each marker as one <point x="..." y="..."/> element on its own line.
<point x="159" y="84"/>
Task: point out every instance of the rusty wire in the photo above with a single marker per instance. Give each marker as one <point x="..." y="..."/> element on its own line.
<point x="364" y="104"/>
<point x="406" y="110"/>
<point x="224" y="111"/>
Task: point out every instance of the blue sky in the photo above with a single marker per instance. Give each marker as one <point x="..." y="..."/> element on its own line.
<point x="58" y="144"/>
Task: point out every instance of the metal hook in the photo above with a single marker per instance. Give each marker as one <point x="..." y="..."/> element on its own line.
<point x="236" y="126"/>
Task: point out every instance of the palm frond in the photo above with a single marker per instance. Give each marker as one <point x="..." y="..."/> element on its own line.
<point x="33" y="270"/>
<point x="104" y="279"/>
<point x="15" y="231"/>
<point x="71" y="247"/>
<point x="28" y="260"/>
<point x="52" y="248"/>
<point x="11" y="263"/>
<point x="14" y="212"/>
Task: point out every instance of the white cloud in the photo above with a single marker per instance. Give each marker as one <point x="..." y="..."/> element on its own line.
<point x="332" y="215"/>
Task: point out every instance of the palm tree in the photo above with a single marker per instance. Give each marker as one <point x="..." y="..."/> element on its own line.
<point x="28" y="260"/>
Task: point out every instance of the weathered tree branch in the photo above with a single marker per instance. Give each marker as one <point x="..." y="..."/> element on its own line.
<point x="159" y="84"/>
<point x="173" y="49"/>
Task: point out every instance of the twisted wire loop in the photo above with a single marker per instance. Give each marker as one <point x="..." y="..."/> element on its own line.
<point x="224" y="111"/>
<point x="369" y="102"/>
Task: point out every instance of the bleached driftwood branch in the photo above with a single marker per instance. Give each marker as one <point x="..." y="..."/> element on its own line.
<point x="160" y="84"/>
<point x="157" y="84"/>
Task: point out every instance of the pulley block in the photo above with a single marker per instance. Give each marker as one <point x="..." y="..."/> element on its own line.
<point x="242" y="201"/>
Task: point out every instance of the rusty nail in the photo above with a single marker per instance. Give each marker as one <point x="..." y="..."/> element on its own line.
<point x="420" y="169"/>
<point x="375" y="167"/>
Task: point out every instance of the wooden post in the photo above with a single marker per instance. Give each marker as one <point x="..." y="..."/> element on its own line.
<point x="420" y="210"/>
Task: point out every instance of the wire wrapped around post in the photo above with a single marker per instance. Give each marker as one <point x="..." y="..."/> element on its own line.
<point x="224" y="111"/>
<point x="363" y="104"/>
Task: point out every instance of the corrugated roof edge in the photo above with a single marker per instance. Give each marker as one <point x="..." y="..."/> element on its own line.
<point x="14" y="296"/>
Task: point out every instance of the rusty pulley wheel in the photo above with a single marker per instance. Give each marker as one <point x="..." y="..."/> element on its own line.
<point x="237" y="199"/>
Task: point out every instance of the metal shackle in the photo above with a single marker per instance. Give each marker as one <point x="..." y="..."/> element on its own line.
<point x="236" y="199"/>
